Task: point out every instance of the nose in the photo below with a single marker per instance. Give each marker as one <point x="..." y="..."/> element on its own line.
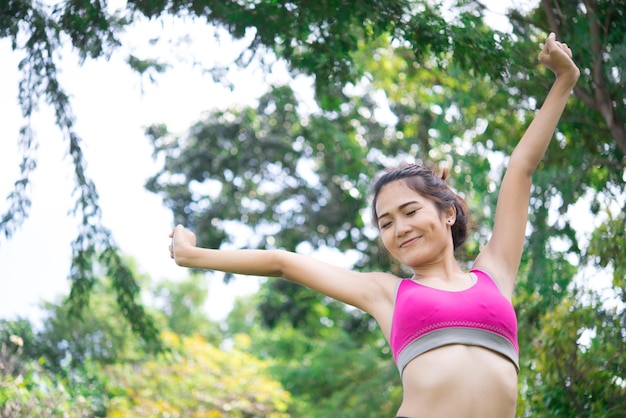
<point x="402" y="227"/>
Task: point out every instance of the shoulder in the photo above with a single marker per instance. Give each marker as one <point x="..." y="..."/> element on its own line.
<point x="385" y="282"/>
<point x="381" y="290"/>
<point x="381" y="298"/>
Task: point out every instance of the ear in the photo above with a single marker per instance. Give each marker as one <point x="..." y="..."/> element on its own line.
<point x="450" y="215"/>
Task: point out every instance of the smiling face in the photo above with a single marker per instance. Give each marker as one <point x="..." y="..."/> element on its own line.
<point x="411" y="227"/>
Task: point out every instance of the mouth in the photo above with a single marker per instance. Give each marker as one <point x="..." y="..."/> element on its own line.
<point x="409" y="242"/>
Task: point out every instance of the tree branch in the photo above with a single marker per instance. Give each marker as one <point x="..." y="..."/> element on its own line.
<point x="601" y="99"/>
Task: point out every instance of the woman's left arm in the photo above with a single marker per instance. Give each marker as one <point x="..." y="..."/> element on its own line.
<point x="502" y="255"/>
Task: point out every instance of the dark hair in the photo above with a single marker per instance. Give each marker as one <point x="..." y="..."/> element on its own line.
<point x="432" y="186"/>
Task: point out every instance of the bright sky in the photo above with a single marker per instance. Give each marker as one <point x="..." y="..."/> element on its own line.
<point x="112" y="106"/>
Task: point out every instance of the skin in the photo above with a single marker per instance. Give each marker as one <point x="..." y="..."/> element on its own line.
<point x="454" y="380"/>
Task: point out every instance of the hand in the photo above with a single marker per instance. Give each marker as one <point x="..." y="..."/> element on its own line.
<point x="557" y="56"/>
<point x="181" y="238"/>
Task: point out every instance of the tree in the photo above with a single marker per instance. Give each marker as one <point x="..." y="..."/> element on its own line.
<point x="452" y="100"/>
<point x="314" y="38"/>
<point x="27" y="388"/>
<point x="62" y="367"/>
<point x="451" y="115"/>
<point x="100" y="335"/>
<point x="596" y="27"/>
<point x="70" y="351"/>
<point x="328" y="369"/>
<point x="196" y="380"/>
<point x="585" y="166"/>
<point x="182" y="305"/>
<point x="578" y="366"/>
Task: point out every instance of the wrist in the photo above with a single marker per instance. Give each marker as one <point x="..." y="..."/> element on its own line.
<point x="182" y="255"/>
<point x="568" y="78"/>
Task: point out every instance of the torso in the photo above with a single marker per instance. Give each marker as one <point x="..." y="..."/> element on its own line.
<point x="455" y="379"/>
<point x="459" y="381"/>
<point x="425" y="318"/>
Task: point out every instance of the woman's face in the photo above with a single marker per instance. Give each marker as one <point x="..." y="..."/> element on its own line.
<point x="412" y="229"/>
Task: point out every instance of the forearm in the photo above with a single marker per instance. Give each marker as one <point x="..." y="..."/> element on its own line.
<point x="356" y="289"/>
<point x="531" y="148"/>
<point x="249" y="262"/>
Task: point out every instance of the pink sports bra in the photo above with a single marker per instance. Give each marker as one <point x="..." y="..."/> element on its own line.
<point x="426" y="318"/>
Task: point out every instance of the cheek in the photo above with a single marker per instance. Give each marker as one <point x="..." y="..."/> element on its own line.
<point x="386" y="237"/>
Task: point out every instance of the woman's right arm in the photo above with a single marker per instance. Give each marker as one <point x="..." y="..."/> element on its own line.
<point x="503" y="253"/>
<point x="366" y="291"/>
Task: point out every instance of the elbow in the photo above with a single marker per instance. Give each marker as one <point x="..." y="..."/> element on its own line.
<point x="523" y="165"/>
<point x="279" y="262"/>
<point x="282" y="263"/>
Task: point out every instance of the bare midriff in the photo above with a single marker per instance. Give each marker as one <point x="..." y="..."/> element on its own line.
<point x="459" y="381"/>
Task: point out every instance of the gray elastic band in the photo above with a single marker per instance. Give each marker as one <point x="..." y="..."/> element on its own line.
<point x="466" y="336"/>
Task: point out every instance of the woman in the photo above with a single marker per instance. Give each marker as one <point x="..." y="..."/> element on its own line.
<point x="453" y="333"/>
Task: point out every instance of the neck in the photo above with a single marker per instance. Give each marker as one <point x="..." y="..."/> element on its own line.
<point x="445" y="270"/>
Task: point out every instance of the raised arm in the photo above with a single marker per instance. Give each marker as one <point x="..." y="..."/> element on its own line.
<point x="503" y="253"/>
<point x="365" y="291"/>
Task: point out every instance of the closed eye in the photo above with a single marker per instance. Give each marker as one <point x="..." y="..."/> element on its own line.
<point x="385" y="225"/>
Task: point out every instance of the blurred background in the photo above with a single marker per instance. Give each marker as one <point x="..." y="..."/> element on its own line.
<point x="261" y="125"/>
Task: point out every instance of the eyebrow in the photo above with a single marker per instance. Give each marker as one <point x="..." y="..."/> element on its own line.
<point x="402" y="206"/>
